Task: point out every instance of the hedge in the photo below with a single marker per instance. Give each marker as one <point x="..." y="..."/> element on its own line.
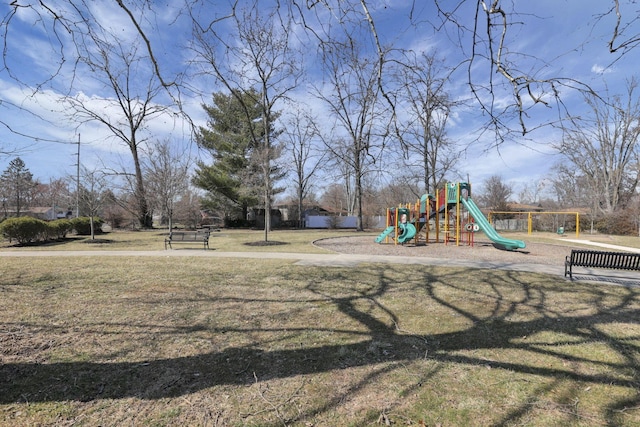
<point x="60" y="228"/>
<point x="82" y="225"/>
<point x="26" y="229"/>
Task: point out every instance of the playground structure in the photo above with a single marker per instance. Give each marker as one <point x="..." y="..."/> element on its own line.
<point x="451" y="213"/>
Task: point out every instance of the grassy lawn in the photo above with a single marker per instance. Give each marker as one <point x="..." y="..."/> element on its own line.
<point x="157" y="341"/>
<point x="296" y="241"/>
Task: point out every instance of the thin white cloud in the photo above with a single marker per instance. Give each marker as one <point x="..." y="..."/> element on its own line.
<point x="600" y="70"/>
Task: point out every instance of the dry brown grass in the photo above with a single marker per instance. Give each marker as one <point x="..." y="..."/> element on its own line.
<point x="202" y="341"/>
<point x="296" y="241"/>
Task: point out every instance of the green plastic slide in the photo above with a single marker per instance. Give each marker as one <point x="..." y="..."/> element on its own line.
<point x="408" y="231"/>
<point x="385" y="233"/>
<point x="487" y="228"/>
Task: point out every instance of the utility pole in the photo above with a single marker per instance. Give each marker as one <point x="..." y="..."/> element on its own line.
<point x="78" y="181"/>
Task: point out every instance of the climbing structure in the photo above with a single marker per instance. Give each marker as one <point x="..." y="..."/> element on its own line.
<point x="451" y="213"/>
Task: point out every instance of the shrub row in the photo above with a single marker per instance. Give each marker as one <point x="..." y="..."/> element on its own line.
<point x="238" y="223"/>
<point x="623" y="223"/>
<point x="29" y="230"/>
<point x="82" y="225"/>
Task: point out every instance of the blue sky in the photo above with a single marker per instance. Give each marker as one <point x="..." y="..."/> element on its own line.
<point x="561" y="38"/>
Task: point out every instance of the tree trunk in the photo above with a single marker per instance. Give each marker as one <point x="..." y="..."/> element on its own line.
<point x="144" y="216"/>
<point x="358" y="176"/>
<point x="300" y="207"/>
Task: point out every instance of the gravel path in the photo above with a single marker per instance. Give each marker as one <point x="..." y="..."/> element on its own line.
<point x="534" y="253"/>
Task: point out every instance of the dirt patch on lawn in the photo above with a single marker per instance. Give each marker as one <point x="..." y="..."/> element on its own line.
<point x="265" y="243"/>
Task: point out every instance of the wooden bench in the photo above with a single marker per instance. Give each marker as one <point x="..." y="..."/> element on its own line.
<point x="199" y="236"/>
<point x="600" y="259"/>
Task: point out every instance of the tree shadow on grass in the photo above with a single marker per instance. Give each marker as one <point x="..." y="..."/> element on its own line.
<point x="47" y="243"/>
<point x="498" y="322"/>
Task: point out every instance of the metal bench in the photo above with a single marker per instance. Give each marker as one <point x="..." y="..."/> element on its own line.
<point x="187" y="237"/>
<point x="600" y="259"/>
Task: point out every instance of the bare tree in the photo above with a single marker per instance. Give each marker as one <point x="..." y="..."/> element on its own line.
<point x="352" y="95"/>
<point x="424" y="131"/>
<point x="396" y="192"/>
<point x="57" y="195"/>
<point x="531" y="192"/>
<point x="113" y="211"/>
<point x="603" y="146"/>
<point x="572" y="189"/>
<point x="188" y="208"/>
<point x="120" y="69"/>
<point x="257" y="54"/>
<point x="342" y="171"/>
<point x="92" y="194"/>
<point x="505" y="83"/>
<point x="335" y="197"/>
<point x="167" y="175"/>
<point x="55" y="52"/>
<point x="483" y="31"/>
<point x="307" y="159"/>
<point x="496" y="194"/>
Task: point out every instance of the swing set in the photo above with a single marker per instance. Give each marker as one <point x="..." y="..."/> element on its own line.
<point x="531" y="216"/>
